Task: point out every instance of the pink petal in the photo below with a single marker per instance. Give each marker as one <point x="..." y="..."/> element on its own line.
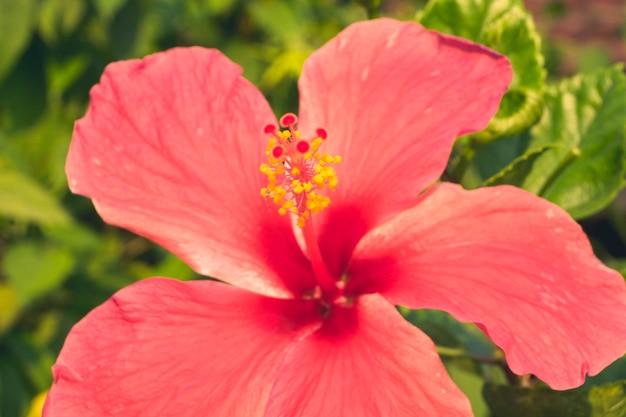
<point x="365" y="361"/>
<point x="392" y="97"/>
<point x="511" y="262"/>
<point x="171" y="349"/>
<point x="170" y="149"/>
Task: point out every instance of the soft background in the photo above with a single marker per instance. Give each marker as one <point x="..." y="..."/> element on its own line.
<point x="58" y="260"/>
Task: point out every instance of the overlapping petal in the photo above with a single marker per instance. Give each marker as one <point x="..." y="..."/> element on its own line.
<point x="515" y="264"/>
<point x="365" y="361"/>
<point x="171" y="349"/>
<point x="170" y="148"/>
<point x="392" y="96"/>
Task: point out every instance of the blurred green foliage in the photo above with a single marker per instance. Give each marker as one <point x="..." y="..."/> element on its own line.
<point x="58" y="260"/>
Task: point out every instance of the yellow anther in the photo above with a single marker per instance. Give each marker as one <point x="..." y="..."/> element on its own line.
<point x="317" y="202"/>
<point x="297" y="187"/>
<point x="287" y="206"/>
<point x="316" y="143"/>
<point x="318" y="180"/>
<point x="301" y="221"/>
<point x="270" y="145"/>
<point x="332" y="183"/>
<point x="295" y="171"/>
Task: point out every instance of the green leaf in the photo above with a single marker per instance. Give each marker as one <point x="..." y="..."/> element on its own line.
<point x="471" y="384"/>
<point x="447" y="331"/>
<point x="22" y="97"/>
<point x="34" y="270"/>
<point x="24" y="199"/>
<point x="14" y="392"/>
<point x="107" y="8"/>
<point x="9" y="307"/>
<point x="607" y="400"/>
<point x="505" y="26"/>
<point x="585" y="117"/>
<point x="34" y="361"/>
<point x="58" y="18"/>
<point x="36" y="406"/>
<point x="16" y="26"/>
<point x="278" y="18"/>
<point x="517" y="171"/>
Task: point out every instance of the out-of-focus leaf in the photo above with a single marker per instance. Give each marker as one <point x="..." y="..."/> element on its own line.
<point x="61" y="73"/>
<point x="217" y="7"/>
<point x="170" y="266"/>
<point x="36" y="406"/>
<point x="22" y="95"/>
<point x="505" y="26"/>
<point x="607" y="400"/>
<point x="14" y="392"/>
<point x="34" y="361"/>
<point x="41" y="150"/>
<point x="34" y="270"/>
<point x="471" y="384"/>
<point x="586" y="117"/>
<point x="614" y="372"/>
<point x="16" y="25"/>
<point x="74" y="236"/>
<point x="9" y="307"/>
<point x="58" y="18"/>
<point x="134" y="30"/>
<point x="107" y="8"/>
<point x="277" y="18"/>
<point x="447" y="331"/>
<point x="23" y="199"/>
<point x="287" y="64"/>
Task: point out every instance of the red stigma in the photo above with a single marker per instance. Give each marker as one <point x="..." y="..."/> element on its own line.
<point x="278" y="151"/>
<point x="269" y="129"/>
<point x="321" y="133"/>
<point x="288" y="119"/>
<point x="303" y="146"/>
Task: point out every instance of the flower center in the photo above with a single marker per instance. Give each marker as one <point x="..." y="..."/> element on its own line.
<point x="297" y="172"/>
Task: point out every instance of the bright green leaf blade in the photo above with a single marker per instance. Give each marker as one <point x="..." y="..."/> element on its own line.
<point x="23" y="199"/>
<point x="505" y="26"/>
<point x="607" y="400"/>
<point x="586" y="117"/>
<point x="34" y="270"/>
<point x="471" y="384"/>
<point x="16" y="24"/>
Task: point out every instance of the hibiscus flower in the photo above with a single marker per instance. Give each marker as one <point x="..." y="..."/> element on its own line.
<point x="316" y="231"/>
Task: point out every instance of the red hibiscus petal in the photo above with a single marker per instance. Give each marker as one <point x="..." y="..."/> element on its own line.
<point x="511" y="262"/>
<point x="170" y="148"/>
<point x="392" y="97"/>
<point x="171" y="349"/>
<point x="365" y="361"/>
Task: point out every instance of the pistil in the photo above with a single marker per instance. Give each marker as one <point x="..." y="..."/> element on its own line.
<point x="331" y="288"/>
<point x="299" y="178"/>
